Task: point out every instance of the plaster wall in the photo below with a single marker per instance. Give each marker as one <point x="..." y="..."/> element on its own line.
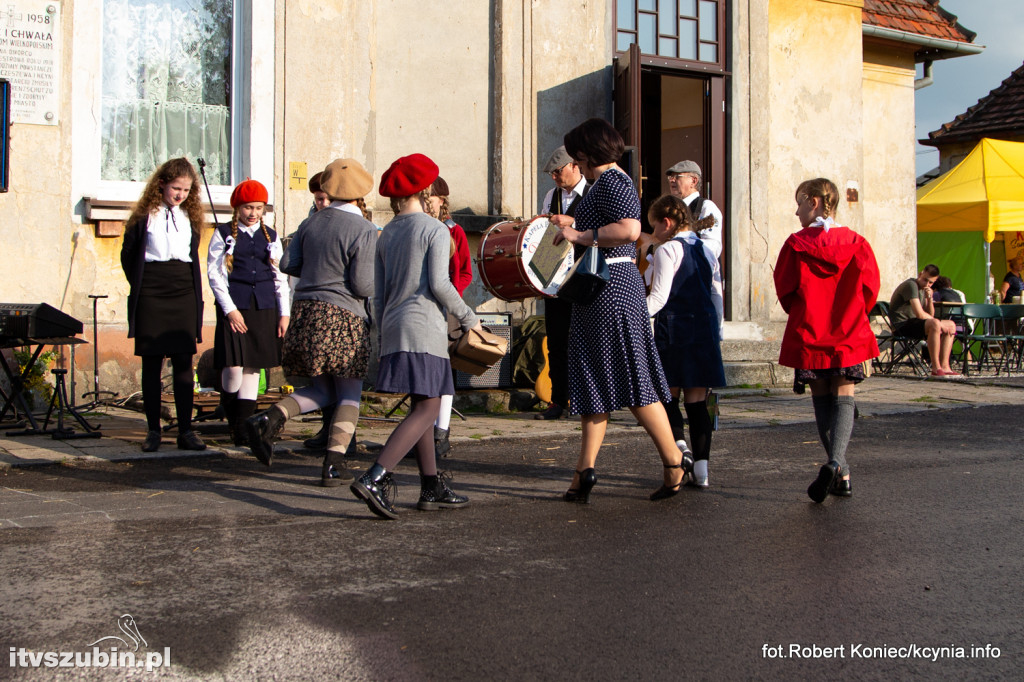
<point x="815" y="120"/>
<point x="888" y="196"/>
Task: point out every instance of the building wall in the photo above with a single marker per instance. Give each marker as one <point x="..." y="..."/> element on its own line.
<point x="889" y="191"/>
<point x="800" y="122"/>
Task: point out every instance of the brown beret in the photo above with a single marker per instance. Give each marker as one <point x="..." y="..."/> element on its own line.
<point x="345" y="179"/>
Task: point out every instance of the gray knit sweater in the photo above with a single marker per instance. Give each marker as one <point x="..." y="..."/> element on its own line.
<point x="332" y="255"/>
<point x="412" y="287"/>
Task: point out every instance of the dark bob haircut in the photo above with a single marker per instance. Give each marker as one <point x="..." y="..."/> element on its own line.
<point x="597" y="140"/>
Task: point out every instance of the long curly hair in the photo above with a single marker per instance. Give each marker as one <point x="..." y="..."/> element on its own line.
<point x="152" y="196"/>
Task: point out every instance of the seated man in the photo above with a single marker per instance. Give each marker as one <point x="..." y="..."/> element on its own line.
<point x="912" y="310"/>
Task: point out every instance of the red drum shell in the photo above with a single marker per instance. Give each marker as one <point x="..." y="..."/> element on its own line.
<point x="500" y="261"/>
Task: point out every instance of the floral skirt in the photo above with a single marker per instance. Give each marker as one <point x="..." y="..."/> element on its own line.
<point x="325" y="339"/>
<point x="801" y="377"/>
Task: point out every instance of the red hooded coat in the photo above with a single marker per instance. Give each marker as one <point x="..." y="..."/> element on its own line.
<point x="827" y="282"/>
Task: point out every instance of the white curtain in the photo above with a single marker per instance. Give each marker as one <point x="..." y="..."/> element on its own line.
<point x="166" y="86"/>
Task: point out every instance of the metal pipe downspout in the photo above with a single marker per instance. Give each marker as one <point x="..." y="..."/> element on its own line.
<point x="927" y="80"/>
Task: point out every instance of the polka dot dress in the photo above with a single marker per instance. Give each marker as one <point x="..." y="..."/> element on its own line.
<point x="613" y="362"/>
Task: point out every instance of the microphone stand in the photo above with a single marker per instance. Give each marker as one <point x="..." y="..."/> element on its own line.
<point x="202" y="171"/>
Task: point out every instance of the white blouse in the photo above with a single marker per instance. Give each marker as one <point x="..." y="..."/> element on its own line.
<point x="168" y="235"/>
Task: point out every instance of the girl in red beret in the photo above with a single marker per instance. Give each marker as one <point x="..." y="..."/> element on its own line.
<point x="160" y="258"/>
<point x="412" y="290"/>
<point x="827" y="279"/>
<point x="252" y="302"/>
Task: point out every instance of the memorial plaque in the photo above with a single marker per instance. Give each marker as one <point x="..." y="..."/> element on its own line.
<point x="30" y="59"/>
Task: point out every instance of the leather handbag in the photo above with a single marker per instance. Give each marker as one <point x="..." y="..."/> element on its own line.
<point x="475" y="351"/>
<point x="588" y="276"/>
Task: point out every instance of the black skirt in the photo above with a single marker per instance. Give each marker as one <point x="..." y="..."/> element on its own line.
<point x="165" y="319"/>
<point x="259" y="347"/>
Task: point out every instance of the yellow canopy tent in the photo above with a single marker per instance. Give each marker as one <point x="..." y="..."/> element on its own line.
<point x="983" y="194"/>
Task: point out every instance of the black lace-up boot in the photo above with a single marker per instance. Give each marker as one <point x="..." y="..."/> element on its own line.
<point x="377" y="489"/>
<point x="435" y="494"/>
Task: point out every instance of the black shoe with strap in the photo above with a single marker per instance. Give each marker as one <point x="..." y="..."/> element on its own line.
<point x="667" y="491"/>
<point x="581" y="493"/>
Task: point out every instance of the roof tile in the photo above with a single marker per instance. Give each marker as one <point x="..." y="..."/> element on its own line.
<point x="922" y="17"/>
<point x="999" y="112"/>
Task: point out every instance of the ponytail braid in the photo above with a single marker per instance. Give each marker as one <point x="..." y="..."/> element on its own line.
<point x="229" y="258"/>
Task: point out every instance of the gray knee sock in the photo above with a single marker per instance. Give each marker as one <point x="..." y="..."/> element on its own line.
<point x="842" y="427"/>
<point x="823" y="418"/>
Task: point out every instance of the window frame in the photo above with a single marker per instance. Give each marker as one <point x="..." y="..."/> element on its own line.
<point x="252" y="107"/>
<point x="718" y="66"/>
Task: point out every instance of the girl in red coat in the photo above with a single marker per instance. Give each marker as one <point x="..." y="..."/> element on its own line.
<point x="827" y="280"/>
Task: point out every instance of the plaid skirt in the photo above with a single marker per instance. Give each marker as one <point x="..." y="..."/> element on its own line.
<point x="325" y="339"/>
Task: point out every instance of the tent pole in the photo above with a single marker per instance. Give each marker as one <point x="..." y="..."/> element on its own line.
<point x="989" y="284"/>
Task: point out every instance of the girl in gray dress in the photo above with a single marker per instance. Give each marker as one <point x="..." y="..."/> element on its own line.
<point x="411" y="292"/>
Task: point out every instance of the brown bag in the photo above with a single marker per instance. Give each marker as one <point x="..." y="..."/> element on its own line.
<point x="475" y="351"/>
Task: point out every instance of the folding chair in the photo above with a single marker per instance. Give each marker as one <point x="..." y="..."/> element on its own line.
<point x="901" y="348"/>
<point x="982" y="337"/>
<point x="1013" y="329"/>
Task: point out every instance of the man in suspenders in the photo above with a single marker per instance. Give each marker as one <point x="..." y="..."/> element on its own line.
<point x="562" y="199"/>
<point x="684" y="180"/>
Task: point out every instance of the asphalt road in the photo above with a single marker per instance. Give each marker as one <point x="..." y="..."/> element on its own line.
<point x="242" y="573"/>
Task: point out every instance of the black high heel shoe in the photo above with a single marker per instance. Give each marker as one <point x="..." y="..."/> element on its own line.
<point x="581" y="495"/>
<point x="667" y="491"/>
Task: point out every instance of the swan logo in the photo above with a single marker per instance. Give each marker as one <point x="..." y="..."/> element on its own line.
<point x="117" y="652"/>
<point x="127" y="625"/>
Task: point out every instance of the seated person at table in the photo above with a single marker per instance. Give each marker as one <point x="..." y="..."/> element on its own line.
<point x="1012" y="282"/>
<point x="912" y="310"/>
<point x="943" y="291"/>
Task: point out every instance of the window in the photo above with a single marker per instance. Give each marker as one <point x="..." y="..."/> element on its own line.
<point x="153" y="79"/>
<point x="166" y="85"/>
<point x="688" y="30"/>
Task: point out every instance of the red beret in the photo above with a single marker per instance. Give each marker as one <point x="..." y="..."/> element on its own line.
<point x="407" y="176"/>
<point x="248" y="192"/>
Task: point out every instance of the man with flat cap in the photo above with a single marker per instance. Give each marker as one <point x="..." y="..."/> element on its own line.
<point x="563" y="198"/>
<point x="684" y="181"/>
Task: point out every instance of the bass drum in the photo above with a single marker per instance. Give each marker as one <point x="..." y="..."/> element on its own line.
<point x="517" y="259"/>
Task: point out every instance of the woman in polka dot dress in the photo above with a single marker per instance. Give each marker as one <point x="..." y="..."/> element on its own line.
<point x="613" y="362"/>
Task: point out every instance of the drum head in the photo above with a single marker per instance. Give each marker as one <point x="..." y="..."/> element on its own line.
<point x="544" y="264"/>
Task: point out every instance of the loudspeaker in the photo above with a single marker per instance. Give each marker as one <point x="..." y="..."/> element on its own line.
<point x="500" y="375"/>
<point x="5" y="135"/>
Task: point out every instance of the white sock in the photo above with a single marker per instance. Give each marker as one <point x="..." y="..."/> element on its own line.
<point x="681" y="444"/>
<point x="444" y="417"/>
<point x="700" y="469"/>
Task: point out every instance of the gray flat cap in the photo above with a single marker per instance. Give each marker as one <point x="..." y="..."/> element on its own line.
<point x="559" y="158"/>
<point x="684" y="167"/>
